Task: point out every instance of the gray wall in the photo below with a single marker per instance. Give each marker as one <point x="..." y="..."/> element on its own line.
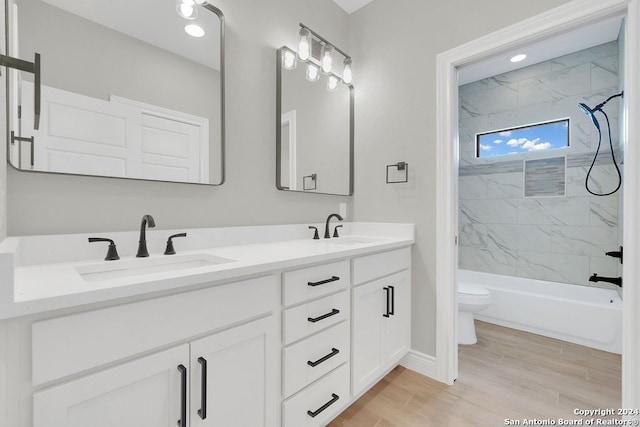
<point x="394" y="44"/>
<point x="559" y="238"/>
<point x="49" y="204"/>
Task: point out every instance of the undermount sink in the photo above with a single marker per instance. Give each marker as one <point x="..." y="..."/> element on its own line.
<point x="118" y="269"/>
<point x="352" y="240"/>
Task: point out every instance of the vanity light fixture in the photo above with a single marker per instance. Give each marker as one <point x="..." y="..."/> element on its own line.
<point x="194" y="30"/>
<point x="187" y="9"/>
<point x="326" y="61"/>
<point x="518" y="58"/>
<point x="304" y="44"/>
<point x="332" y="83"/>
<point x="319" y="52"/>
<point x="289" y="61"/>
<point x="347" y="76"/>
<point x="313" y="73"/>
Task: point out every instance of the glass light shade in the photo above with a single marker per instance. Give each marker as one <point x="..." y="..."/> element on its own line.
<point x="313" y="73"/>
<point x="187" y="9"/>
<point x="518" y="58"/>
<point x="289" y="60"/>
<point x="194" y="30"/>
<point x="304" y="45"/>
<point x="332" y="83"/>
<point x="347" y="77"/>
<point x="326" y="60"/>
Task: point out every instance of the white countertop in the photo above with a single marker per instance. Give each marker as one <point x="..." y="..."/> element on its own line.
<point x="39" y="287"/>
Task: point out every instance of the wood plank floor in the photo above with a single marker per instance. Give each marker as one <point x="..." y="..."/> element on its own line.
<point x="508" y="374"/>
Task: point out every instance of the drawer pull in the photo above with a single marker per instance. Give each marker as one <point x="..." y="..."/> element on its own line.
<point x="324" y="316"/>
<point x="334" y="399"/>
<point x="393" y="300"/>
<point x="182" y="422"/>
<point x="203" y="393"/>
<point x="322" y="282"/>
<point x="387" y="292"/>
<point x="334" y="351"/>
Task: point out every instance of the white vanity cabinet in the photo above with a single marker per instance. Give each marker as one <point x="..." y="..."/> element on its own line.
<point x="223" y="378"/>
<point x="381" y="300"/>
<point x="146" y="392"/>
<point x="316" y="337"/>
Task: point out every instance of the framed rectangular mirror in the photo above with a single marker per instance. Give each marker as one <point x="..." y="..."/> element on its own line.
<point x="314" y="132"/>
<point x="125" y="91"/>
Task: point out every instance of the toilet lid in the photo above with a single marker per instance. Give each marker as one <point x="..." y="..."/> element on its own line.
<point x="471" y="289"/>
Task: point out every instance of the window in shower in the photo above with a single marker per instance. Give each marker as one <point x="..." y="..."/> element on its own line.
<point x="523" y="139"/>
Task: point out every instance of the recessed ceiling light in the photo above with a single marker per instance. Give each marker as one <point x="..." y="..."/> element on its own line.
<point x="194" y="30"/>
<point x="518" y="58"/>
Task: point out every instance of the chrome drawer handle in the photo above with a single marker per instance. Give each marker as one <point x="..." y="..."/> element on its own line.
<point x="322" y="282"/>
<point x="334" y="351"/>
<point x="324" y="316"/>
<point x="334" y="399"/>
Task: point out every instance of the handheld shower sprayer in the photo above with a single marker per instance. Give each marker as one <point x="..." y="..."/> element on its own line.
<point x="592" y="113"/>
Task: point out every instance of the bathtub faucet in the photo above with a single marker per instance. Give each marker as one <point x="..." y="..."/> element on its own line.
<point x="614" y="280"/>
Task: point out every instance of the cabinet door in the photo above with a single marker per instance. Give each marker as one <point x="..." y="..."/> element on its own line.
<point x="367" y="350"/>
<point x="233" y="377"/>
<point x="398" y="324"/>
<point x="147" y="392"/>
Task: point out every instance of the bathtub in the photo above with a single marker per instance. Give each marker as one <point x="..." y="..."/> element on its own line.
<point x="579" y="314"/>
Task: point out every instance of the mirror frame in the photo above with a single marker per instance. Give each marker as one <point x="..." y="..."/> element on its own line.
<point x="279" y="186"/>
<point x="223" y="173"/>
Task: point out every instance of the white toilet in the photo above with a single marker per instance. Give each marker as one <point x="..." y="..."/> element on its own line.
<point x="471" y="298"/>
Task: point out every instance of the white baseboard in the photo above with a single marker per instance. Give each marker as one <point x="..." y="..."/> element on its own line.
<point x="420" y="362"/>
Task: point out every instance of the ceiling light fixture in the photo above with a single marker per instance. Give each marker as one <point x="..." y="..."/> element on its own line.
<point x="518" y="58"/>
<point x="194" y="30"/>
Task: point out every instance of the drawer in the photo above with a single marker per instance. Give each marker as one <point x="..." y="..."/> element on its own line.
<point x="309" y="359"/>
<point x="330" y="393"/>
<point x="309" y="318"/>
<point x="374" y="266"/>
<point x="313" y="282"/>
<point x="72" y="344"/>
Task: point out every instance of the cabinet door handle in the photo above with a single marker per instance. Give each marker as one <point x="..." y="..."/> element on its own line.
<point x="203" y="392"/>
<point x="182" y="422"/>
<point x="334" y="399"/>
<point x="322" y="282"/>
<point x="334" y="351"/>
<point x="393" y="300"/>
<point x="324" y="316"/>
<point x="387" y="291"/>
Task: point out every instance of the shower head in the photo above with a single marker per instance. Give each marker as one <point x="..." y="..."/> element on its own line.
<point x="585" y="108"/>
<point x="588" y="111"/>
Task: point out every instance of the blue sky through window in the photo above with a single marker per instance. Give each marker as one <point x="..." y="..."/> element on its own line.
<point x="544" y="136"/>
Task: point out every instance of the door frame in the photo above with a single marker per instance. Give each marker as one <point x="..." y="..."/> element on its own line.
<point x="561" y="19"/>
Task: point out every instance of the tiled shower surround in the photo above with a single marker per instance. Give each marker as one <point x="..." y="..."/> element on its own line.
<point x="558" y="238"/>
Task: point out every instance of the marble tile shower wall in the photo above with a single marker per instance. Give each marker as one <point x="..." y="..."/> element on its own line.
<point x="561" y="239"/>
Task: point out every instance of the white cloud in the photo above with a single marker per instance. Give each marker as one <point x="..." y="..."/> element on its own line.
<point x="534" y="146"/>
<point x="485" y="147"/>
<point x="516" y="142"/>
<point x="506" y="134"/>
<point x="498" y="141"/>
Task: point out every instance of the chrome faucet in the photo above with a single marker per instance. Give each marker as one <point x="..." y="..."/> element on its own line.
<point x="142" y="243"/>
<point x="327" y="235"/>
